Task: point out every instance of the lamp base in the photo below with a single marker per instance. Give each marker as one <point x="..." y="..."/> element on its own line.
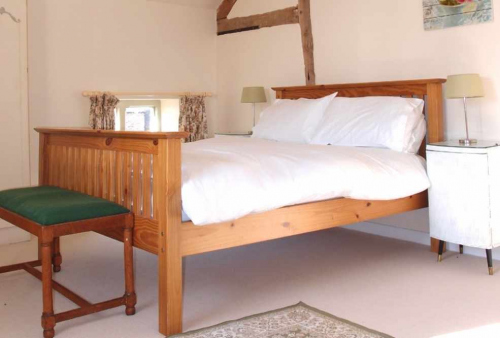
<point x="467" y="142"/>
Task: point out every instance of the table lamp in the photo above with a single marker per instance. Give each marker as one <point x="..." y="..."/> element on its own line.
<point x="253" y="95"/>
<point x="464" y="86"/>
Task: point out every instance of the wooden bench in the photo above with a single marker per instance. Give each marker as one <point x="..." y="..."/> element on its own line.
<point x="51" y="212"/>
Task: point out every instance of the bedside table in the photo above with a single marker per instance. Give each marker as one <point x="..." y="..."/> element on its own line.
<point x="219" y="135"/>
<point x="464" y="197"/>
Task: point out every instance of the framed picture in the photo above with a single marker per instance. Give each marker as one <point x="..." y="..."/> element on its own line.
<point x="440" y="14"/>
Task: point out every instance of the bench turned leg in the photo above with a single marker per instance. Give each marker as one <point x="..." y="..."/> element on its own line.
<point x="131" y="298"/>
<point x="56" y="254"/>
<point x="48" y="318"/>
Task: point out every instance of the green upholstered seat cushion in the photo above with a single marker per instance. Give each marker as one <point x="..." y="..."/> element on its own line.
<point x="51" y="205"/>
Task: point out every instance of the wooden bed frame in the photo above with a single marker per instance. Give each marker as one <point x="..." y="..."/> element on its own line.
<point x="143" y="172"/>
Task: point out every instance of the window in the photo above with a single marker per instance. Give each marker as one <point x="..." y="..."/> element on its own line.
<point x="147" y="115"/>
<point x="139" y="118"/>
<point x="138" y="115"/>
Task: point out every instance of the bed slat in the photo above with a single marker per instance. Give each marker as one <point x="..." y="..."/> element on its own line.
<point x="146" y="175"/>
<point x="137" y="193"/>
<point x="119" y="178"/>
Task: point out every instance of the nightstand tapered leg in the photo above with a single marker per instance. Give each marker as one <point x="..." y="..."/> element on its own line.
<point x="440" y="251"/>
<point x="461" y="249"/>
<point x="490" y="261"/>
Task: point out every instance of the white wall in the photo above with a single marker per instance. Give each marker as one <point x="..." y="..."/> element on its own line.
<point x="123" y="45"/>
<point x="361" y="41"/>
<point x="170" y="111"/>
<point x="266" y="57"/>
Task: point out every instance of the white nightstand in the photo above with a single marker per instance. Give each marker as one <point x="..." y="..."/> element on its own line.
<point x="464" y="197"/>
<point x="219" y="135"/>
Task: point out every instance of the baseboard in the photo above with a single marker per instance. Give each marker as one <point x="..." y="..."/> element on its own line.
<point x="413" y="236"/>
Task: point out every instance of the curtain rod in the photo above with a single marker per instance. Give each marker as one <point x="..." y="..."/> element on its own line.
<point x="147" y="94"/>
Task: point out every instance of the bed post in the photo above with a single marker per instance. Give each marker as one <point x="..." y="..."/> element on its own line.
<point x="435" y="126"/>
<point x="167" y="197"/>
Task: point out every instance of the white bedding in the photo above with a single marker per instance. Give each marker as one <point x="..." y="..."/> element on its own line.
<point x="228" y="178"/>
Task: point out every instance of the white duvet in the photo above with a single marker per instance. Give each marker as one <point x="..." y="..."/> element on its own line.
<point x="228" y="178"/>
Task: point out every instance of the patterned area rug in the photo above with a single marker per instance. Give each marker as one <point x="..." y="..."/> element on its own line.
<point x="298" y="321"/>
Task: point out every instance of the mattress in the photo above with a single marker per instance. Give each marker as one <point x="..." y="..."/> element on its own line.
<point x="227" y="178"/>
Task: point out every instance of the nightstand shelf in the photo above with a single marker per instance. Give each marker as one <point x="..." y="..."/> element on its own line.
<point x="464" y="197"/>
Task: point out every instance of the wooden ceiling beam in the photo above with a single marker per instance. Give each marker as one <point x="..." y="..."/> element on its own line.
<point x="225" y="8"/>
<point x="307" y="40"/>
<point x="280" y="17"/>
<point x="300" y="14"/>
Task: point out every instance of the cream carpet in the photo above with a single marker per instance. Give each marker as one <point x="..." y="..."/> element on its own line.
<point x="387" y="285"/>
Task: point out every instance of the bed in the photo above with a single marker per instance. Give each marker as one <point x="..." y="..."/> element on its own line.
<point x="224" y="179"/>
<point x="143" y="172"/>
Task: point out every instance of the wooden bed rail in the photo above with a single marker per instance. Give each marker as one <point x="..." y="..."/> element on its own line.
<point x="129" y="168"/>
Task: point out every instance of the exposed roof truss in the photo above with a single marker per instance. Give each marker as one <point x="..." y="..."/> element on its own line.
<point x="300" y="14"/>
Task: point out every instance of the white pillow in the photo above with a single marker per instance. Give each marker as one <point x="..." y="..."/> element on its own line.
<point x="382" y="122"/>
<point x="291" y="120"/>
<point x="417" y="136"/>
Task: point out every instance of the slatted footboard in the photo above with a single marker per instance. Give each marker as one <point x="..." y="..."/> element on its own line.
<point x="125" y="168"/>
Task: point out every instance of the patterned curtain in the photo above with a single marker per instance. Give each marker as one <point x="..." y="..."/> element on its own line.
<point x="193" y="118"/>
<point x="102" y="111"/>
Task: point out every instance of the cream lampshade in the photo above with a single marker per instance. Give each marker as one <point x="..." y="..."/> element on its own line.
<point x="464" y="86"/>
<point x="253" y="95"/>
